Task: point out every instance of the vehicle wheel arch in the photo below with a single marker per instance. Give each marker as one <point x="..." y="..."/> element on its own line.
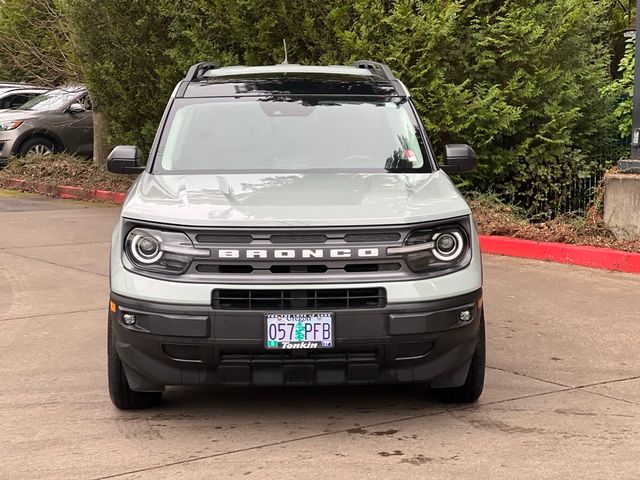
<point x="58" y="145"/>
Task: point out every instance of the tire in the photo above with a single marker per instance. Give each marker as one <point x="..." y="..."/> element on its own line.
<point x="474" y="384"/>
<point x="37" y="146"/>
<point x="121" y="395"/>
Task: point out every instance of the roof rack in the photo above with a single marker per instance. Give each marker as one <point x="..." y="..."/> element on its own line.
<point x="377" y="68"/>
<point x="196" y="71"/>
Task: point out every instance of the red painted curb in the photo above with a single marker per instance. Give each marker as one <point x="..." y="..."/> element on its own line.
<point x="63" y="191"/>
<point x="14" y="183"/>
<point x="594" y="257"/>
<point x="107" y="196"/>
<point x="75" y="193"/>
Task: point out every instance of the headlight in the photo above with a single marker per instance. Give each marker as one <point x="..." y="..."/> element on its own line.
<point x="448" y="246"/>
<point x="438" y="249"/>
<point x="12" y="125"/>
<point x="159" y="251"/>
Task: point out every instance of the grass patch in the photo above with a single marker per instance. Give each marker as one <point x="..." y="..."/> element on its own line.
<point x="10" y="193"/>
<point x="64" y="169"/>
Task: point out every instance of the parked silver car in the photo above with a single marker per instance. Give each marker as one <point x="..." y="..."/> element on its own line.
<point x="59" y="120"/>
<point x="14" y="97"/>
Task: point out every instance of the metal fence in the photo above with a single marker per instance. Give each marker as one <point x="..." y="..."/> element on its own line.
<point x="583" y="190"/>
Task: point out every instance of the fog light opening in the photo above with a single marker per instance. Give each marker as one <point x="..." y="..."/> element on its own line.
<point x="129" y="319"/>
<point x="465" y="316"/>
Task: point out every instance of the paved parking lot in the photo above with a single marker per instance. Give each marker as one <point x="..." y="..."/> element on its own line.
<point x="562" y="398"/>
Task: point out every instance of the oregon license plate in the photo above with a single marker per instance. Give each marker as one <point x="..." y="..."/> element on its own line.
<point x="299" y="330"/>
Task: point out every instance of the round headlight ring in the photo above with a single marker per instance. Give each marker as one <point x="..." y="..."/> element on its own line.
<point x="145" y="249"/>
<point x="454" y="252"/>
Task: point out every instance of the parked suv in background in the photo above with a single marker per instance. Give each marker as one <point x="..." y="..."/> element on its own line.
<point x="292" y="227"/>
<point x="56" y="121"/>
<point x="14" y="97"/>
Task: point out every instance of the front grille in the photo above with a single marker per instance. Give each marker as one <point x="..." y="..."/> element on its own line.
<point x="290" y="255"/>
<point x="342" y="255"/>
<point x="223" y="238"/>
<point x="212" y="268"/>
<point x="372" y="237"/>
<point x="296" y="269"/>
<point x="307" y="299"/>
<point x="298" y="239"/>
<point x="372" y="267"/>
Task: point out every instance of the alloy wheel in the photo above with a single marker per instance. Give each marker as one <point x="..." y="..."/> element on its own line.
<point x="40" y="149"/>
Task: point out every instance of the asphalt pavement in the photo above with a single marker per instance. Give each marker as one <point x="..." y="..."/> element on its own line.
<point x="562" y="398"/>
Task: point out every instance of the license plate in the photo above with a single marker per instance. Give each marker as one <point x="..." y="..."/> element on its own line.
<point x="299" y="330"/>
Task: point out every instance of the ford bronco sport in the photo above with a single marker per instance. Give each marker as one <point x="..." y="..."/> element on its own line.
<point x="292" y="227"/>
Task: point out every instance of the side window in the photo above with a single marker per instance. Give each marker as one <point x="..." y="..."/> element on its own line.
<point x="8" y="101"/>
<point x="19" y="99"/>
<point x="5" y="102"/>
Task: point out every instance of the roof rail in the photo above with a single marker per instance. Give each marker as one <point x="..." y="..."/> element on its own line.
<point x="377" y="68"/>
<point x="197" y="71"/>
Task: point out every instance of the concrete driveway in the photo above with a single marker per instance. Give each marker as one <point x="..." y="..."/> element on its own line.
<point x="562" y="398"/>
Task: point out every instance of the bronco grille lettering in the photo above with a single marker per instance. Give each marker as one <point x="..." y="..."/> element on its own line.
<point x="291" y="253"/>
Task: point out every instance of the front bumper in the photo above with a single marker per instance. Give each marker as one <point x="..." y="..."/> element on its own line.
<point x="7" y="142"/>
<point x="196" y="345"/>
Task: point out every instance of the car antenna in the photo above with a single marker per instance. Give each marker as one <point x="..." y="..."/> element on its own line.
<point x="286" y="56"/>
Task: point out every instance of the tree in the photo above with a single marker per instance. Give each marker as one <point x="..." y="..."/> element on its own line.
<point x="250" y="32"/>
<point x="622" y="89"/>
<point x="34" y="43"/>
<point x="121" y="48"/>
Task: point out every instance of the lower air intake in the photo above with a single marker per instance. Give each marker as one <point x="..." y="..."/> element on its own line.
<point x="307" y="299"/>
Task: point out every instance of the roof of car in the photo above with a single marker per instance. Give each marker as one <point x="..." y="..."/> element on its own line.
<point x="364" y="78"/>
<point x="5" y="90"/>
<point x="284" y="70"/>
<point x="17" y="85"/>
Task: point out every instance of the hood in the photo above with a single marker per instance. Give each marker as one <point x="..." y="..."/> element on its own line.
<point x="8" y="115"/>
<point x="237" y="200"/>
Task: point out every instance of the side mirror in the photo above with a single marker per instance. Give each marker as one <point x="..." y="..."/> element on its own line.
<point x="460" y="158"/>
<point x="125" y="159"/>
<point x="76" y="108"/>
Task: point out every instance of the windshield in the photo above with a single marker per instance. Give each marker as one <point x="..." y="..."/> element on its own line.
<point x="52" y="100"/>
<point x="291" y="135"/>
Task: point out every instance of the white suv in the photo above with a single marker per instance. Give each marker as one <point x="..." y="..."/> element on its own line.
<point x="292" y="227"/>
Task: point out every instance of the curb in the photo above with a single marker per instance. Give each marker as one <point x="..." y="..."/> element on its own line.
<point x="594" y="257"/>
<point x="63" y="191"/>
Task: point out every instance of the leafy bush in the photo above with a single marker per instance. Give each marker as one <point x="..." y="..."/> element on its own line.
<point x="622" y="89"/>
